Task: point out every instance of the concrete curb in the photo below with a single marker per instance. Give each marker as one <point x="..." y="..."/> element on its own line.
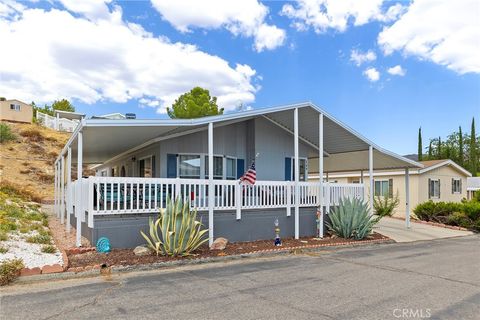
<point x="117" y="269"/>
<point x="435" y="224"/>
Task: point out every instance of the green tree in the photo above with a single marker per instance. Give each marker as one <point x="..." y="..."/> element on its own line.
<point x="430" y="151"/>
<point x="63" y="105"/>
<point x="420" y="148"/>
<point x="473" y="150"/>
<point x="439" y="148"/>
<point x="194" y="104"/>
<point x="460" y="146"/>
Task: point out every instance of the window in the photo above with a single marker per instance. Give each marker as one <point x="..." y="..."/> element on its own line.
<point x="217" y="167"/>
<point x="302" y="168"/>
<point x="15" y="107"/>
<point x="231" y="168"/>
<point x="189" y="166"/>
<point x="434" y="188"/>
<point x="456" y="185"/>
<point x="103" y="173"/>
<point x="382" y="188"/>
<point x="145" y="167"/>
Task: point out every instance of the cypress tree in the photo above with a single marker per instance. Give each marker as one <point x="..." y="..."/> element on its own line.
<point x="439" y="148"/>
<point x="473" y="150"/>
<point x="460" y="146"/>
<point x="430" y="150"/>
<point x="420" y="148"/>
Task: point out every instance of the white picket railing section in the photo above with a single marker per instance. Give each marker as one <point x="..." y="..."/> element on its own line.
<point x="59" y="124"/>
<point x="118" y="195"/>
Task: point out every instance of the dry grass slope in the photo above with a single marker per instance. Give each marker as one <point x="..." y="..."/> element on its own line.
<point x="27" y="162"/>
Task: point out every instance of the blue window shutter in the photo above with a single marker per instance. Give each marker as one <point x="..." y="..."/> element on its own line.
<point x="288" y="169"/>
<point x="171" y="165"/>
<point x="240" y="168"/>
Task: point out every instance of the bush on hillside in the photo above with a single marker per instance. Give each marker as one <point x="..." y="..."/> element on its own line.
<point x="9" y="270"/>
<point x="32" y="134"/>
<point x="6" y="133"/>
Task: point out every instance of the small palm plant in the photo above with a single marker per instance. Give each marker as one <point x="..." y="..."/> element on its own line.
<point x="384" y="206"/>
<point x="351" y="219"/>
<point x="176" y="232"/>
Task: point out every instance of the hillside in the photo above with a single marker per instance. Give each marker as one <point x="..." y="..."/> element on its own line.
<point x="27" y="161"/>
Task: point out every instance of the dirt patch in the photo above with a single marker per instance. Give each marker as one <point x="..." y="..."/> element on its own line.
<point x="127" y="257"/>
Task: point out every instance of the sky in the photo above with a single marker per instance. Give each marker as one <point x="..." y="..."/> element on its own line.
<point x="384" y="68"/>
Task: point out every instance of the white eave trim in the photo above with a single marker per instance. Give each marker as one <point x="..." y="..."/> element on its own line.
<point x="446" y="163"/>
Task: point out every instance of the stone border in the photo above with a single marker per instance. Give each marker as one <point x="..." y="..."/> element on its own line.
<point x="435" y="224"/>
<point x="95" y="270"/>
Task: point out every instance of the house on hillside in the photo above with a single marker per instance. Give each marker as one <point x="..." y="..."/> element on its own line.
<point x="141" y="163"/>
<point x="438" y="180"/>
<point x="15" y="111"/>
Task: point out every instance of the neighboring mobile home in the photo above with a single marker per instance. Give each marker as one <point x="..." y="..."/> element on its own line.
<point x="438" y="180"/>
<point x="16" y="111"/>
<point x="140" y="163"/>
<point x="473" y="186"/>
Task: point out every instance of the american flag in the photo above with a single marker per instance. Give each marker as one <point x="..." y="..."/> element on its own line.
<point x="250" y="176"/>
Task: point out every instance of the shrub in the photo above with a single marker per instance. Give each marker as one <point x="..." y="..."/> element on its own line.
<point x="40" y="238"/>
<point x="3" y="250"/>
<point x="351" y="219"/>
<point x="472" y="209"/>
<point x="3" y="236"/>
<point x="9" y="270"/>
<point x="176" y="232"/>
<point x="49" y="249"/>
<point x="433" y="211"/>
<point x="384" y="206"/>
<point x="6" y="133"/>
<point x="15" y="190"/>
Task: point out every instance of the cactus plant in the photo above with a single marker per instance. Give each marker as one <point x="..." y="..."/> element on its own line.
<point x="351" y="219"/>
<point x="176" y="232"/>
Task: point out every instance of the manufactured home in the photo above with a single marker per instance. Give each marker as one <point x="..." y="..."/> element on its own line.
<point x="141" y="163"/>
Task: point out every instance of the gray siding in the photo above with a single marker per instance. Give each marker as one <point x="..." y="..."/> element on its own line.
<point x="273" y="145"/>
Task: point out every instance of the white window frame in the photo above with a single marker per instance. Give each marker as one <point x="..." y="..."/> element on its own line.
<point x="433" y="195"/>
<point x="143" y="158"/>
<point x="381" y="194"/>
<point x="459" y="189"/>
<point x="292" y="167"/>
<point x="203" y="160"/>
<point x="16" y="107"/>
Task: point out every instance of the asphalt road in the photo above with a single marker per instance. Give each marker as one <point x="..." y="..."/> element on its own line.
<point x="424" y="280"/>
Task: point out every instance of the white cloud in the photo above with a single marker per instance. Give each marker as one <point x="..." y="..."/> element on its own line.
<point x="59" y="55"/>
<point x="91" y="9"/>
<point x="245" y="18"/>
<point x="359" y="58"/>
<point x="372" y="74"/>
<point x="397" y="71"/>
<point x="445" y="32"/>
<point x="322" y="15"/>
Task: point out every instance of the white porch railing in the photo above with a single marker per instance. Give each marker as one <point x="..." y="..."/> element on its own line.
<point x="118" y="195"/>
<point x="59" y="124"/>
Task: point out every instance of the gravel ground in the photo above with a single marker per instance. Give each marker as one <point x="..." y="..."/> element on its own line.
<point x="30" y="253"/>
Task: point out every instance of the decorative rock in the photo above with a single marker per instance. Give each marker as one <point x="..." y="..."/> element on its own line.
<point x="56" y="268"/>
<point x="219" y="244"/>
<point x="30" y="272"/>
<point x="142" y="251"/>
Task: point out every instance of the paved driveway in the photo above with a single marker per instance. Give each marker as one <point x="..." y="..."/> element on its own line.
<point x="395" y="229"/>
<point x="428" y="279"/>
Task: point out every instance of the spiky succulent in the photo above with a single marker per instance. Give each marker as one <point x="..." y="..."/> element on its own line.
<point x="351" y="219"/>
<point x="176" y="232"/>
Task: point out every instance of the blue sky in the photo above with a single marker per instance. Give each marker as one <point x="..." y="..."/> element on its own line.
<point x="305" y="54"/>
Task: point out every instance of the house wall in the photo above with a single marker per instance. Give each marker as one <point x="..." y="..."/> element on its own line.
<point x="274" y="144"/>
<point x="24" y="115"/>
<point x="241" y="140"/>
<point x="418" y="187"/>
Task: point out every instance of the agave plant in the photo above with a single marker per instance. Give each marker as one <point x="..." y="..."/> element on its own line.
<point x="351" y="219"/>
<point x="176" y="232"/>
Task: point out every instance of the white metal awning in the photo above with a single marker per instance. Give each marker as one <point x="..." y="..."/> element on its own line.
<point x="345" y="148"/>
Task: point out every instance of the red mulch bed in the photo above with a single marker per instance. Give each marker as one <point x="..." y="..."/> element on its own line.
<point x="126" y="257"/>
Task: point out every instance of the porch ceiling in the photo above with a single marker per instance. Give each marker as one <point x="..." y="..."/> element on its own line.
<point x="346" y="149"/>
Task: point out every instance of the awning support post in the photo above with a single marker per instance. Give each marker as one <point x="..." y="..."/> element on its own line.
<point x="297" y="173"/>
<point x="78" y="204"/>
<point x="62" y="189"/>
<point x="320" y="174"/>
<point x="211" y="189"/>
<point x="69" y="188"/>
<point x="407" y="198"/>
<point x="370" y="172"/>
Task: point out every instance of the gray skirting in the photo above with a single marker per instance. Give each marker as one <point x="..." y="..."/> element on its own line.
<point x="123" y="231"/>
